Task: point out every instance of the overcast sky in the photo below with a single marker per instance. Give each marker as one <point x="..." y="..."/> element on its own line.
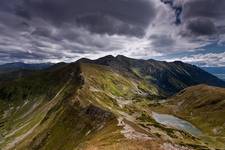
<point x="35" y="31"/>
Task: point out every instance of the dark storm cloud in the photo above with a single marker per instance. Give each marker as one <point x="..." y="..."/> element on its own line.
<point x="100" y="16"/>
<point x="204" y="17"/>
<point x="204" y="8"/>
<point x="201" y="17"/>
<point x="201" y="26"/>
<point x="62" y="29"/>
<point x="101" y="23"/>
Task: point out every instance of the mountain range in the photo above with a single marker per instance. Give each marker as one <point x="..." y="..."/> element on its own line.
<point x="217" y="71"/>
<point x="10" y="67"/>
<point x="112" y="103"/>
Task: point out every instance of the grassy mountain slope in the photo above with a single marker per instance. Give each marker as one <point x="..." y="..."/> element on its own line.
<point x="85" y="105"/>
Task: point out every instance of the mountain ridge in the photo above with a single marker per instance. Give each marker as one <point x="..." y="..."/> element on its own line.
<point x="85" y="105"/>
<point x="161" y="70"/>
<point x="168" y="77"/>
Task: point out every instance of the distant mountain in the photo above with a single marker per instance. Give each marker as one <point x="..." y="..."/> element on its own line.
<point x="10" y="67"/>
<point x="217" y="71"/>
<point x="96" y="104"/>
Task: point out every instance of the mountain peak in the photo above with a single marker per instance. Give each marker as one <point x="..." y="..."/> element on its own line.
<point x="107" y="57"/>
<point x="122" y="56"/>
